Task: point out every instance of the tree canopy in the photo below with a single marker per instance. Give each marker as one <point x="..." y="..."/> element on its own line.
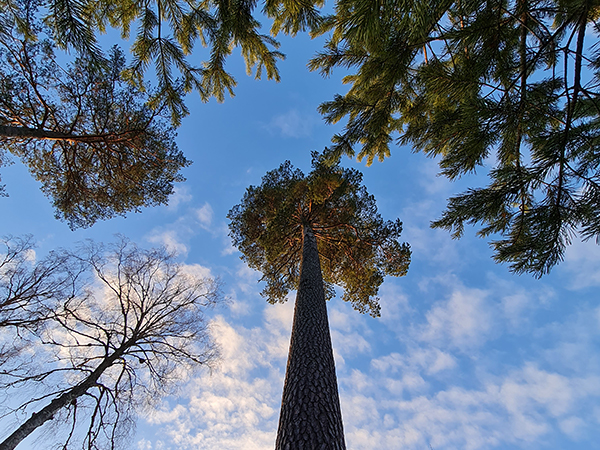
<point x="86" y="135"/>
<point x="510" y="85"/>
<point x="91" y="130"/>
<point x="357" y="248"/>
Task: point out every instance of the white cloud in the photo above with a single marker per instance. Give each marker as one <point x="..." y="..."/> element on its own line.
<point x="429" y="360"/>
<point x="143" y="444"/>
<point x="197" y="270"/>
<point x="181" y="194"/>
<point x="419" y="393"/>
<point x="532" y="388"/>
<point x="395" y="307"/>
<point x="236" y="406"/>
<point x="247" y="279"/>
<point x="279" y="317"/>
<point x="576" y="341"/>
<point x="177" y="235"/>
<point x="349" y="333"/>
<point x="349" y="344"/>
<point x="582" y="265"/>
<point x="464" y="320"/>
<point x="518" y="305"/>
<point x="430" y="245"/>
<point x="293" y="124"/>
<point x="345" y="319"/>
<point x="574" y="427"/>
<point x="228" y="248"/>
<point x="443" y="361"/>
<point x="435" y="185"/>
<point x="163" y="414"/>
<point x="170" y="239"/>
<point x="236" y="306"/>
<point x="30" y="255"/>
<point x="204" y="215"/>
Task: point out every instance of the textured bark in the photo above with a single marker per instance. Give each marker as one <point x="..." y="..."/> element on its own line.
<point x="45" y="135"/>
<point x="310" y="417"/>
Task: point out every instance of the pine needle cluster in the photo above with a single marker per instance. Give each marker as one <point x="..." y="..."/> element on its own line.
<point x="510" y="85"/>
<point x="164" y="33"/>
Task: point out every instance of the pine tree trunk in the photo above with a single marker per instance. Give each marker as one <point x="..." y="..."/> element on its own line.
<point x="45" y="135"/>
<point x="310" y="417"/>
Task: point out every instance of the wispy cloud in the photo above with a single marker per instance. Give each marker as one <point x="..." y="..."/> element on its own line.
<point x="415" y="393"/>
<point x="582" y="264"/>
<point x="171" y="239"/>
<point x="293" y="124"/>
<point x="204" y="215"/>
<point x="236" y="406"/>
<point x="177" y="235"/>
<point x="181" y="194"/>
<point x="228" y="248"/>
<point x="428" y="360"/>
<point x="464" y="320"/>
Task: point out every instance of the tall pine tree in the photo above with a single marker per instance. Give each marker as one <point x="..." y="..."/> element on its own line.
<point x="310" y="233"/>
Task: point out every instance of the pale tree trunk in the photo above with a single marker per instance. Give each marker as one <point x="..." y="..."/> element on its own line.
<point x="47" y="413"/>
<point x="310" y="417"/>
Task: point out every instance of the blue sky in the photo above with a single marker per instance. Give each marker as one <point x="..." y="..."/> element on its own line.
<point x="465" y="354"/>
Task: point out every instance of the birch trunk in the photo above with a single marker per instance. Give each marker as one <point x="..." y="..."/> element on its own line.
<point x="47" y="413"/>
<point x="310" y="417"/>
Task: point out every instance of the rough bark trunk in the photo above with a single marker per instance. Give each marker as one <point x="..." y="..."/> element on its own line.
<point x="310" y="417"/>
<point x="47" y="413"/>
<point x="32" y="133"/>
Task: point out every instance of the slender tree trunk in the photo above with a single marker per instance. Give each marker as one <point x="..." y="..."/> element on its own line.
<point x="47" y="413"/>
<point x="45" y="135"/>
<point x="310" y="417"/>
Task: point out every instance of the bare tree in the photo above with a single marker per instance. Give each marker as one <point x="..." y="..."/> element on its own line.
<point x="121" y="345"/>
<point x="27" y="286"/>
<point x="29" y="290"/>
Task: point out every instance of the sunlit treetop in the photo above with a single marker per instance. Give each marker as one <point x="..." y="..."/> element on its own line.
<point x="87" y="137"/>
<point x="357" y="248"/>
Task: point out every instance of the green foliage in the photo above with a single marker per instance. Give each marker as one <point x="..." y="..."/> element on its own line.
<point x="166" y="33"/>
<point x="357" y="248"/>
<point x="85" y="135"/>
<point x="509" y="84"/>
<point x="292" y="16"/>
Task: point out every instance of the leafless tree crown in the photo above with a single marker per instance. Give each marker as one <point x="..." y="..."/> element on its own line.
<point x="116" y="327"/>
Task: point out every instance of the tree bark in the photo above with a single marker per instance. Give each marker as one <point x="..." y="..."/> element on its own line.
<point x="33" y="133"/>
<point x="310" y="417"/>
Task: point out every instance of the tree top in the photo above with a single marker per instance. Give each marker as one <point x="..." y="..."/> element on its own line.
<point x="357" y="248"/>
